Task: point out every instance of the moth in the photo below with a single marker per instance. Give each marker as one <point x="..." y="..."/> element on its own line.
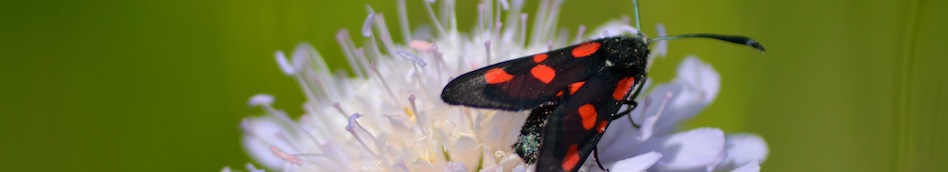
<point x="573" y="93"/>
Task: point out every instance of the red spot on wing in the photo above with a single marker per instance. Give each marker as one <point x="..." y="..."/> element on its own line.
<point x="539" y="58"/>
<point x="544" y="73"/>
<point x="589" y="115"/>
<point x="572" y="158"/>
<point x="585" y="49"/>
<point x="602" y="126"/>
<point x="559" y="94"/>
<point x="624" y="85"/>
<point x="575" y="87"/>
<point x="496" y="76"/>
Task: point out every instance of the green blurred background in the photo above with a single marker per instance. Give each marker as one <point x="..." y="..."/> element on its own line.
<point x="846" y="85"/>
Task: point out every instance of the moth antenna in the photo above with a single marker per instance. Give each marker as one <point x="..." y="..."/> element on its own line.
<point x="638" y="25"/>
<point x="729" y="38"/>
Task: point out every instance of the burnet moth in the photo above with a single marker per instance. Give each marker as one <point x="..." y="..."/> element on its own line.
<point x="574" y="93"/>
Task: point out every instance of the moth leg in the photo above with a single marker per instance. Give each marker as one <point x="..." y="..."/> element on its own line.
<point x="631" y="104"/>
<point x="596" y="153"/>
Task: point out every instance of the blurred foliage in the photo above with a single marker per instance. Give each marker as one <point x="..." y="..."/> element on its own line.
<point x="161" y="85"/>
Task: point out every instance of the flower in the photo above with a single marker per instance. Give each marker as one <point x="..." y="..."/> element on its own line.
<point x="657" y="144"/>
<point x="389" y="116"/>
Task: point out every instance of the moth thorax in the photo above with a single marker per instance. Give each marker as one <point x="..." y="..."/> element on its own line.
<point x="626" y="53"/>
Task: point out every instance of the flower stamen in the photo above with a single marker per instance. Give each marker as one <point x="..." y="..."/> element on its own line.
<point x="487" y="50"/>
<point x="339" y="108"/>
<point x="284" y="64"/>
<point x="523" y="30"/>
<point x="434" y="18"/>
<point x="367" y="25"/>
<point x="295" y="160"/>
<point x="388" y="90"/>
<point x="403" y="20"/>
<point x="351" y="128"/>
<point x="419" y="118"/>
<point x="649" y="124"/>
<point x="412" y="57"/>
<point x="384" y="34"/>
<point x="348" y="49"/>
<point x="286" y="119"/>
<point x="579" y="34"/>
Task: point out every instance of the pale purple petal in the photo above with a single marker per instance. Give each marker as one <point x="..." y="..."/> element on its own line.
<point x="367" y="25"/>
<point x="749" y="167"/>
<point x="284" y="64"/>
<point x="743" y="149"/>
<point x="260" y="99"/>
<point x="699" y="76"/>
<point x="520" y="168"/>
<point x="661" y="46"/>
<point x="648" y="124"/>
<point x="700" y="84"/>
<point x="301" y="54"/>
<point x="671" y="114"/>
<point x="622" y="138"/>
<point x="619" y="139"/>
<point x="454" y="167"/>
<point x="690" y="150"/>
<point x="252" y="168"/>
<point x="637" y="163"/>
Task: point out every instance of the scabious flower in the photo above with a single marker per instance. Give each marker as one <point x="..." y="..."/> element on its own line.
<point x="655" y="143"/>
<point x="389" y="115"/>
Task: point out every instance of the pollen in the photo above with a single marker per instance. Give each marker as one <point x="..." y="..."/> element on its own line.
<point x="409" y="113"/>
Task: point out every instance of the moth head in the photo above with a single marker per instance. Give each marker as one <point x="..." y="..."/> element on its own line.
<point x="627" y="53"/>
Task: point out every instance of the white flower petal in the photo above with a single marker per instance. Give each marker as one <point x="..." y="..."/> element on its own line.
<point x="612" y="28"/>
<point x="500" y="138"/>
<point x="464" y="151"/>
<point x="637" y="163"/>
<point x="689" y="150"/>
<point x="264" y="133"/>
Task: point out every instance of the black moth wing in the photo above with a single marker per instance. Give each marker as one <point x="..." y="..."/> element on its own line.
<point x="576" y="125"/>
<point x="524" y="90"/>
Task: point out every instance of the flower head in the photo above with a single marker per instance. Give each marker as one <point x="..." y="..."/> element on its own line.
<point x="389" y="116"/>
